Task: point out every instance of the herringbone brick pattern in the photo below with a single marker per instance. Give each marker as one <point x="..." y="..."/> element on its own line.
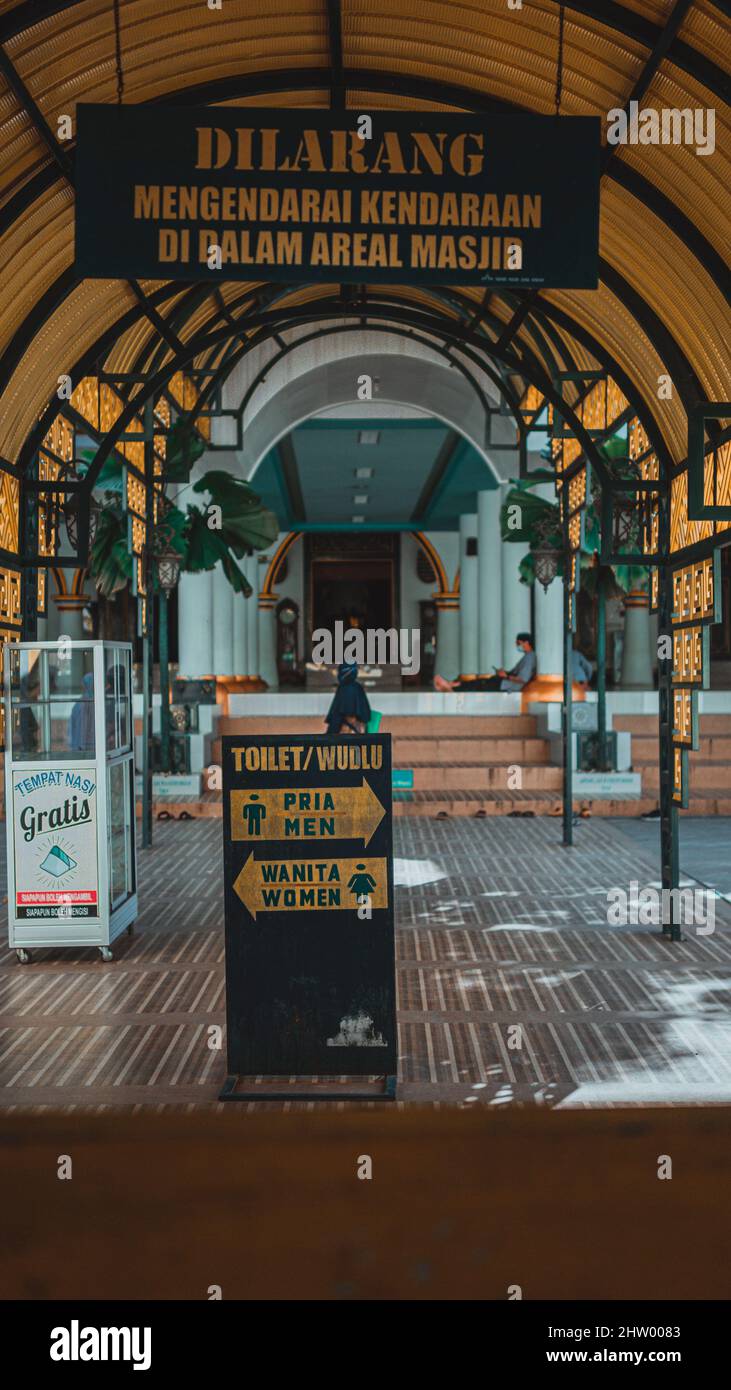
<point x="497" y="925"/>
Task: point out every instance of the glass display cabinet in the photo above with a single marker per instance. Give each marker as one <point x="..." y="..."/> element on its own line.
<point x="69" y="794"/>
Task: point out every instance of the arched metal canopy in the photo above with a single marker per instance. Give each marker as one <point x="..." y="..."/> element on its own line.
<point x="662" y="306"/>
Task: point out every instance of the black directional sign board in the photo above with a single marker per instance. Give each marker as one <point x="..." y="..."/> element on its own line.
<point x="400" y="197"/>
<point x="308" y="859"/>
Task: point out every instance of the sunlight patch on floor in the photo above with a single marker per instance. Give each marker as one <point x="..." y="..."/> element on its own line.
<point x="411" y="873"/>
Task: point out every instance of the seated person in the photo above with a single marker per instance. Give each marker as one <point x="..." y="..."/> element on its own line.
<point x="523" y="671"/>
<point x="581" y="669"/>
<point x="350" y="711"/>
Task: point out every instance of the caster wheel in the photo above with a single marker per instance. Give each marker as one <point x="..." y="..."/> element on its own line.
<point x="23" y="956"/>
<point x="105" y="953"/>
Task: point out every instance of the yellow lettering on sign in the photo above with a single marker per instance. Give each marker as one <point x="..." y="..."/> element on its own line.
<point x="330" y="885"/>
<point x="294" y="813"/>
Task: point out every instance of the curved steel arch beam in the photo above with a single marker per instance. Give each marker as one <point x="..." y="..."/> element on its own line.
<point x="689" y="387"/>
<point x="88" y="361"/>
<point x="313" y="313"/>
<point x="617" y="372"/>
<point x="479" y="313"/>
<point x="301" y="79"/>
<point x="686" y="231"/>
<point x="354" y="328"/>
<point x="681" y="371"/>
<point x="612" y="16"/>
<point x="498" y="380"/>
<point x="410" y="333"/>
<point x="85" y="365"/>
<point x="35" y="321"/>
<point x="565" y="361"/>
<point x="266" y="292"/>
<point x="549" y="311"/>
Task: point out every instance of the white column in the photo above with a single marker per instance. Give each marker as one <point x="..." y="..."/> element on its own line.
<point x="223" y="595"/>
<point x="64" y="620"/>
<point x="549" y="628"/>
<point x="251" y="570"/>
<point x="195" y="624"/>
<point x="636" y="649"/>
<point x="548" y="635"/>
<point x="447" y="663"/>
<point x="268" y="645"/>
<point x="515" y="595"/>
<point x="468" y="598"/>
<point x="240" y="616"/>
<point x="489" y="581"/>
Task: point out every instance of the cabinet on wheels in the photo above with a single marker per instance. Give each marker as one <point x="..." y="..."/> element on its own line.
<point x="69" y="793"/>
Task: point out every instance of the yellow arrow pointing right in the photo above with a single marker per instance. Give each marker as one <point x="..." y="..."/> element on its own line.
<point x="306" y="813"/>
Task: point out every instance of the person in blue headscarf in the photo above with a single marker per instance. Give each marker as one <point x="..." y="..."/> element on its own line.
<point x="350" y="711"/>
<point x="81" y="723"/>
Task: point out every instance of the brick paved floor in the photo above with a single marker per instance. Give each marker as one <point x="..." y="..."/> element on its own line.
<point x="497" y="924"/>
<point x="704" y="847"/>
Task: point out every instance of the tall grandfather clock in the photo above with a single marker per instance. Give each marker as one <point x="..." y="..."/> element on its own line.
<point x="288" y="663"/>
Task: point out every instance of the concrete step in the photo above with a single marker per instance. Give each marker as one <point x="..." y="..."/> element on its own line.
<point x="712" y="748"/>
<point x="448" y="802"/>
<point x="413" y="752"/>
<point x="647" y="724"/>
<point x="461" y="752"/>
<point x="493" y="778"/>
<point x="703" y="777"/>
<point x="405" y="726"/>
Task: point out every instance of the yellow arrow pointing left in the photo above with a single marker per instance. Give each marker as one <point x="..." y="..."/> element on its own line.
<point x="311" y="885"/>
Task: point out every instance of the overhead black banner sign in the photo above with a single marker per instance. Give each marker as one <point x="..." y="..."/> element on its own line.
<point x="308" y="861"/>
<point x="300" y="195"/>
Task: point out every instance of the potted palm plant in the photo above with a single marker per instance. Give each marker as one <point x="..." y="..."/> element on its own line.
<point x="229" y="523"/>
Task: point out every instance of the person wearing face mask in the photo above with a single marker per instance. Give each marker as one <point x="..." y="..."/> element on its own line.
<point x="519" y="675"/>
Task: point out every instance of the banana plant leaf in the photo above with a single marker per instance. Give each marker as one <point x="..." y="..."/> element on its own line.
<point x="205" y="547"/>
<point x="533" y="509"/>
<point x="111" y="476"/>
<point x="632" y="577"/>
<point x="247" y="524"/>
<point x="110" y="561"/>
<point x="184" y="447"/>
<point x="172" y="532"/>
<point x="537" y="476"/>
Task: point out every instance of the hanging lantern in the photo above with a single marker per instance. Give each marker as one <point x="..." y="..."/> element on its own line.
<point x="545" y="564"/>
<point x="166" y="558"/>
<point x="546" y="557"/>
<point x="625" y="518"/>
<point x="167" y="567"/>
<point x="72" y="512"/>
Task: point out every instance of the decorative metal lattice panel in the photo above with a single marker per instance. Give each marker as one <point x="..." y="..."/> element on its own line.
<point x="695" y="606"/>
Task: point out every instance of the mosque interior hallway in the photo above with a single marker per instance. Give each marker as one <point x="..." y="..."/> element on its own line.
<point x="511" y="987"/>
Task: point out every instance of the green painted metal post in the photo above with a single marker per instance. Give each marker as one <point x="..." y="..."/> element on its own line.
<point x="568" y="751"/>
<point x="601" y="669"/>
<point x="147" y="638"/>
<point x="163" y="651"/>
<point x="669" y="856"/>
